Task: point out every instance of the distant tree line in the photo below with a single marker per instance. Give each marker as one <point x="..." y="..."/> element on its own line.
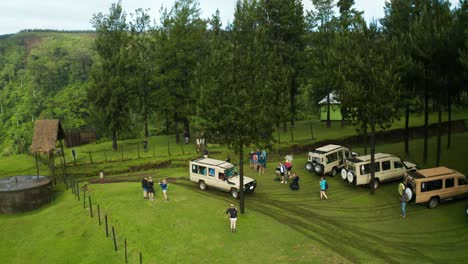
<point x="260" y="73"/>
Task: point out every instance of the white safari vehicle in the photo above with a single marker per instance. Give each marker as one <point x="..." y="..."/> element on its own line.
<point x="219" y="174"/>
<point x="328" y="159"/>
<point x="388" y="167"/>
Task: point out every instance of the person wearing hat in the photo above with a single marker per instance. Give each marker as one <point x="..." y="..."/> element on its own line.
<point x="232" y="211"/>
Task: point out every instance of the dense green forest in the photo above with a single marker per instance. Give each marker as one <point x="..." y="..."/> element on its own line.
<point x="133" y="77"/>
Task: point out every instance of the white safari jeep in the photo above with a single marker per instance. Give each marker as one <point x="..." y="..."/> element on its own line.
<point x="388" y="167"/>
<point x="219" y="174"/>
<point x="328" y="159"/>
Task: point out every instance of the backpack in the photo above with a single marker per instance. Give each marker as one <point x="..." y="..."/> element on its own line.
<point x="326" y="185"/>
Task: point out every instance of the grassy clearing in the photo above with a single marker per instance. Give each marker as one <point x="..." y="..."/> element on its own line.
<point x="58" y="233"/>
<point x="280" y="226"/>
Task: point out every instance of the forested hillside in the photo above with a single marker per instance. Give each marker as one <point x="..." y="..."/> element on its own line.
<point x="42" y="75"/>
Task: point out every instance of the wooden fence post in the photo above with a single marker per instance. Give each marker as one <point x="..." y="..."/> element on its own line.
<point x="90" y="207"/>
<point x="90" y="157"/>
<point x="78" y="191"/>
<point x="113" y="235"/>
<point x="107" y="227"/>
<point x="126" y="258"/>
<point x="99" y="214"/>
<point x="138" y="150"/>
<point x="141" y="258"/>
<point x="84" y="198"/>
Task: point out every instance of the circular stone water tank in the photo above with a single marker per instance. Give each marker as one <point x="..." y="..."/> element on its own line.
<point x="24" y="193"/>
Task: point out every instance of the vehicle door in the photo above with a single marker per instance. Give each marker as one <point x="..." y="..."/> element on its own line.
<point x="212" y="179"/>
<point x="341" y="158"/>
<point x="461" y="185"/>
<point x="332" y="161"/>
<point x="398" y="167"/>
<point x="449" y="189"/>
<point x="386" y="172"/>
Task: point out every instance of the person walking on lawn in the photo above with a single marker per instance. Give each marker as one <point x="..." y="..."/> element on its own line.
<point x="144" y="186"/>
<point x="150" y="186"/>
<point x="232" y="211"/>
<point x="403" y="199"/>
<point x="323" y="188"/>
<point x="163" y="186"/>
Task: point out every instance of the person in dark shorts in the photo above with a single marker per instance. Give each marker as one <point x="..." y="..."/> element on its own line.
<point x="150" y="186"/>
<point x="232" y="211"/>
<point x="295" y="182"/>
<point x="144" y="186"/>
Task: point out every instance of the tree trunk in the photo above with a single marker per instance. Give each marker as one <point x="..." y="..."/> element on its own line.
<point x="293" y="100"/>
<point x="186" y="125"/>
<point x="365" y="138"/>
<point x="407" y="128"/>
<point x="285" y="126"/>
<point x="439" y="135"/>
<point x="145" y="115"/>
<point x="328" y="111"/>
<point x="176" y="129"/>
<point x="114" y="140"/>
<point x="241" y="176"/>
<point x="449" y="129"/>
<point x="372" y="153"/>
<point x="426" y="122"/>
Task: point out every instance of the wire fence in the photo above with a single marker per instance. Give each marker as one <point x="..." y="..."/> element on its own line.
<point x="103" y="221"/>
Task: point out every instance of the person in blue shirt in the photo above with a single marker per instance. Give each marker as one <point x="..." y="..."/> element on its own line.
<point x="163" y="186"/>
<point x="323" y="188"/>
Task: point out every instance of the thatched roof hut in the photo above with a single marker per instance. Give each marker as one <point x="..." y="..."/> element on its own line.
<point x="46" y="134"/>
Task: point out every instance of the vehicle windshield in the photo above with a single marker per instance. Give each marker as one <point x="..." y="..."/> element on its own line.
<point x="230" y="172"/>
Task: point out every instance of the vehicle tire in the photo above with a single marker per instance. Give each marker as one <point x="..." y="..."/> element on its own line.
<point x="235" y="193"/>
<point x="433" y="202"/>
<point x="309" y="166"/>
<point x="344" y="174"/>
<point x="350" y="176"/>
<point x="318" y="168"/>
<point x="202" y="185"/>
<point x="333" y="172"/>
<point x="376" y="183"/>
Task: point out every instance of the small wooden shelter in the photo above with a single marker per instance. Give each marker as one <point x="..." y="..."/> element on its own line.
<point x="46" y="134"/>
<point x="335" y="108"/>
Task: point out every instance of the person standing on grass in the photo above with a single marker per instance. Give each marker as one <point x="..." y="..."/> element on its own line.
<point x="323" y="188"/>
<point x="232" y="212"/>
<point x="150" y="186"/>
<point x="101" y="176"/>
<point x="403" y="200"/>
<point x="144" y="186"/>
<point x="261" y="164"/>
<point x="163" y="186"/>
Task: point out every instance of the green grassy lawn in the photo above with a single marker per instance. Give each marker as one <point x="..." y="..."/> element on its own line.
<point x="57" y="233"/>
<point x="279" y="226"/>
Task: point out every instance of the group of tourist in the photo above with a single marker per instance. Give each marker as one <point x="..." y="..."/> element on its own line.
<point x="283" y="173"/>
<point x="147" y="185"/>
<point x="258" y="160"/>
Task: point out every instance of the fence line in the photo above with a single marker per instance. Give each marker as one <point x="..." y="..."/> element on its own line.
<point x="75" y="190"/>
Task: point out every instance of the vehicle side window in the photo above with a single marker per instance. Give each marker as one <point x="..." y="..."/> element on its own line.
<point x="431" y="186"/>
<point x="449" y="183"/>
<point x="386" y="165"/>
<point x="366" y="169"/>
<point x="194" y="168"/>
<point x="461" y="181"/>
<point x="397" y="165"/>
<point x="221" y="176"/>
<point x="211" y="172"/>
<point x="332" y="157"/>
<point x="346" y="153"/>
<point x="201" y="170"/>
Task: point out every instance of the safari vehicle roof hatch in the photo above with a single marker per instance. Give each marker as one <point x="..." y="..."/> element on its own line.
<point x="432" y="172"/>
<point x="213" y="162"/>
